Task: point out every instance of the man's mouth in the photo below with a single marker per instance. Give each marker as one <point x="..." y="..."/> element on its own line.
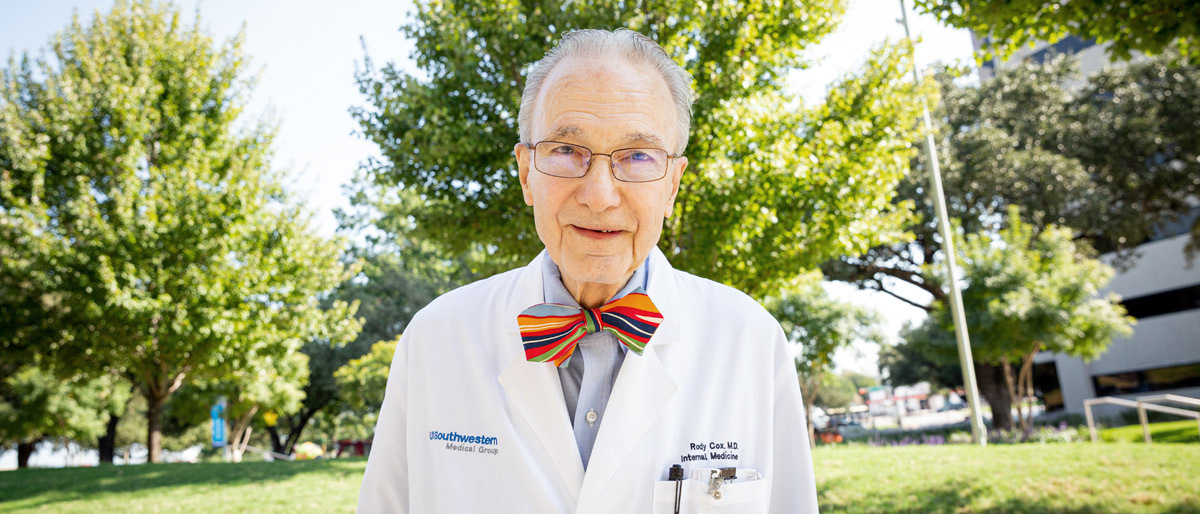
<point x="598" y="232"/>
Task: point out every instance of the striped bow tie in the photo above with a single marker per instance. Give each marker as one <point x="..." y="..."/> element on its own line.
<point x="551" y="331"/>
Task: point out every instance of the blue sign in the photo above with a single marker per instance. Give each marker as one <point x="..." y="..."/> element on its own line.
<point x="218" y="424"/>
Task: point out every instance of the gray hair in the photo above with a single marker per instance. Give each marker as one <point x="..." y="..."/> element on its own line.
<point x="623" y="43"/>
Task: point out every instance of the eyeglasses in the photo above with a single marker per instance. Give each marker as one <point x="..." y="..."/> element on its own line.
<point x="566" y="160"/>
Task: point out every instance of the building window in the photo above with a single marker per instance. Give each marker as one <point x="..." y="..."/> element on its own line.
<point x="1046" y="386"/>
<point x="1145" y="381"/>
<point x="1165" y="302"/>
<point x="1068" y="45"/>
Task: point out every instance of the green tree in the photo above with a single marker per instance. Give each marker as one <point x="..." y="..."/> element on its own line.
<point x="146" y="231"/>
<point x="1149" y="26"/>
<point x="185" y="423"/>
<point x="360" y="385"/>
<point x="837" y="392"/>
<point x="819" y="326"/>
<point x="273" y="385"/>
<point x="772" y="187"/>
<point x="1027" y="292"/>
<point x="398" y="279"/>
<point x="860" y="380"/>
<point x="35" y="405"/>
<point x="1114" y="158"/>
<point x="1134" y="129"/>
<point x="364" y="380"/>
<point x="916" y="359"/>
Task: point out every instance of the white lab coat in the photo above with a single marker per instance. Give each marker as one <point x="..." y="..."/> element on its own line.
<point x="718" y="374"/>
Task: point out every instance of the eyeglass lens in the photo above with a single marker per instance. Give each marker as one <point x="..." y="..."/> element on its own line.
<point x="571" y="161"/>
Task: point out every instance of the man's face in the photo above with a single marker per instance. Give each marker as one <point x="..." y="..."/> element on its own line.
<point x="604" y="106"/>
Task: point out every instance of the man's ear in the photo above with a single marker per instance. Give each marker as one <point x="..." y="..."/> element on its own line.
<point x="522" y="154"/>
<point x="676" y="175"/>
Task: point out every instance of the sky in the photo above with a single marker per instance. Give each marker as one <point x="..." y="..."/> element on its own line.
<point x="306" y="51"/>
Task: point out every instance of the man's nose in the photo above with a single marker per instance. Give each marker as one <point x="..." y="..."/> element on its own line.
<point x="600" y="188"/>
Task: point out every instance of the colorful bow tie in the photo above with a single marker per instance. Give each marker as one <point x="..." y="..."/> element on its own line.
<point x="551" y="331"/>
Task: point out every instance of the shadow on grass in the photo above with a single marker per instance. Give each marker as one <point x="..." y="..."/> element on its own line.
<point x="962" y="498"/>
<point x="1185" y="434"/>
<point x="1173" y="432"/>
<point x="59" y="485"/>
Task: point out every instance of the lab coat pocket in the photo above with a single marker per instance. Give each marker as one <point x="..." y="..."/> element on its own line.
<point x="751" y="497"/>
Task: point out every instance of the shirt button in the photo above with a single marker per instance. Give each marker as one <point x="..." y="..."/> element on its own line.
<point x="591" y="417"/>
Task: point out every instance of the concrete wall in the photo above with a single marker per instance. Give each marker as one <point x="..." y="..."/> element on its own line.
<point x="1159" y="341"/>
<point x="1160" y="266"/>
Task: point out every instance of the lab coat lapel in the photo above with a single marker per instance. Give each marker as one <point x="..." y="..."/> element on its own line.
<point x="534" y="387"/>
<point x="642" y="390"/>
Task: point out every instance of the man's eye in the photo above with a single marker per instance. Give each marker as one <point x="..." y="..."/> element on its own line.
<point x="564" y="150"/>
<point x="640" y="156"/>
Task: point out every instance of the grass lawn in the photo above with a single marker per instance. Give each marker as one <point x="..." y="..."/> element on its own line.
<point x="1061" y="478"/>
<point x="258" y="487"/>
<point x="1169" y="432"/>
<point x="1033" y="478"/>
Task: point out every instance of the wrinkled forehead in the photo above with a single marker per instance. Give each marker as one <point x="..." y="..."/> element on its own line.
<point x="609" y="102"/>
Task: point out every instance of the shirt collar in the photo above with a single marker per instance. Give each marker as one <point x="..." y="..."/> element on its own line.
<point x="554" y="291"/>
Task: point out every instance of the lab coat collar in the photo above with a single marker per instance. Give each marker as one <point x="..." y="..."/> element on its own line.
<point x="642" y="390"/>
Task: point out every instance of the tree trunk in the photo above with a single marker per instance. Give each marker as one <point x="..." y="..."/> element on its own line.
<point x="808" y="392"/>
<point x="1025" y="392"/>
<point x="154" y="427"/>
<point x="241" y="434"/>
<point x="297" y="430"/>
<point x="991" y="385"/>
<point x="24" y="451"/>
<point x="238" y="449"/>
<point x="276" y="442"/>
<point x="812" y="431"/>
<point x="108" y="442"/>
<point x="1010" y="385"/>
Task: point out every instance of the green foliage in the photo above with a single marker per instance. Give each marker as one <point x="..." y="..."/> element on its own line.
<point x="1136" y="129"/>
<point x="360" y="385"/>
<point x="1027" y="292"/>
<point x="924" y="354"/>
<point x="820" y="326"/>
<point x="185" y="423"/>
<point x="398" y="278"/>
<point x="271" y="384"/>
<point x="364" y="380"/>
<point x="1115" y="158"/>
<point x="35" y="404"/>
<point x="837" y="392"/>
<point x="1149" y="26"/>
<point x="149" y="234"/>
<point x="771" y="187"/>
<point x="860" y="380"/>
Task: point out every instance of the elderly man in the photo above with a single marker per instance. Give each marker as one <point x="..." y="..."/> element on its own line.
<point x="597" y="379"/>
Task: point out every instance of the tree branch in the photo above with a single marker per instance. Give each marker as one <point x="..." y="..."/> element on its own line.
<point x="908" y="276"/>
<point x="883" y="289"/>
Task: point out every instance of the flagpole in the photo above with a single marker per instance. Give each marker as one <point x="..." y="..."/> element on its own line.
<point x="978" y="432"/>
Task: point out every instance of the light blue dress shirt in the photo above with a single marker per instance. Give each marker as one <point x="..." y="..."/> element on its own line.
<point x="587" y="380"/>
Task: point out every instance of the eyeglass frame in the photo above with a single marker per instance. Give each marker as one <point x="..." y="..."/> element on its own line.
<point x="611" y="167"/>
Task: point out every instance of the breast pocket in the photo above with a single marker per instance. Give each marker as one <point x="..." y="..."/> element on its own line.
<point x="695" y="497"/>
